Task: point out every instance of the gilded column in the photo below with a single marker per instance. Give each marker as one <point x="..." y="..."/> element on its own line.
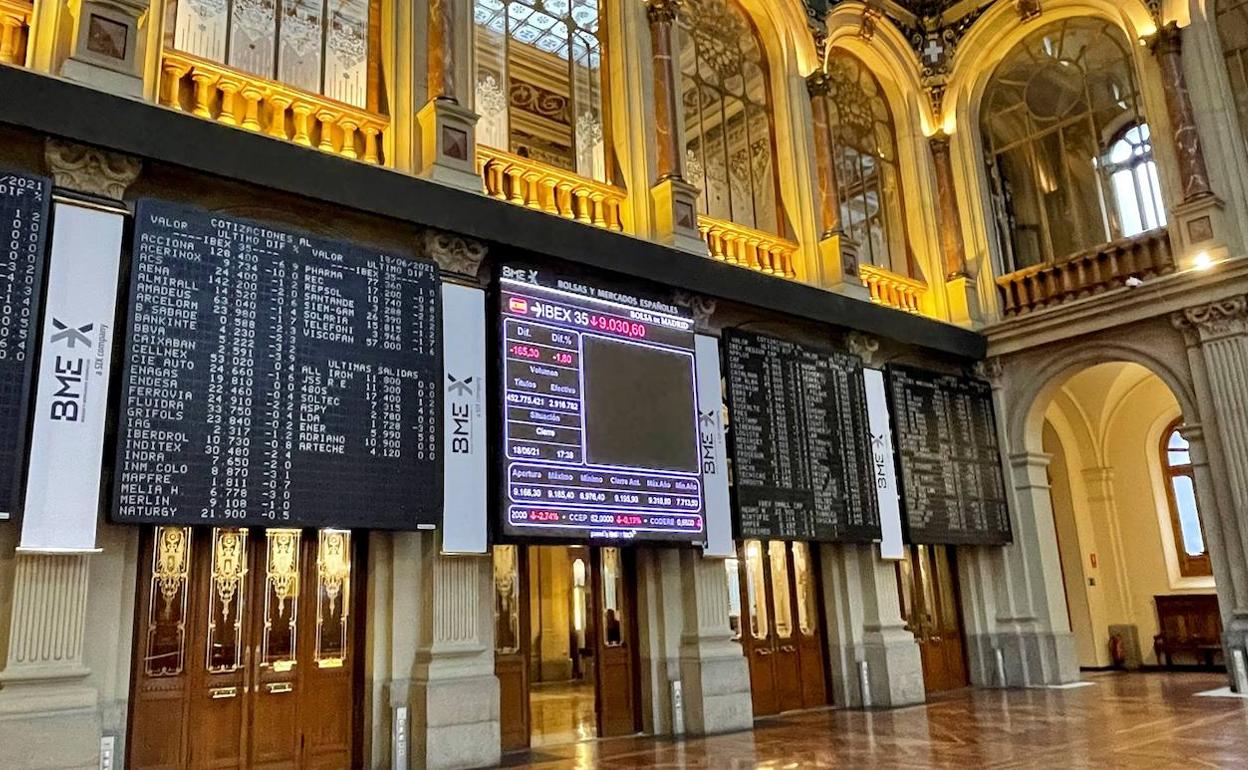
<point x="662" y="15"/>
<point x="1168" y="48"/>
<point x="442" y="54"/>
<point x="952" y="247"/>
<point x="817" y="86"/>
<point x="674" y="198"/>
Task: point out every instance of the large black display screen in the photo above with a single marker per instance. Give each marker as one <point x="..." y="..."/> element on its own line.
<point x="276" y="378"/>
<point x="952" y="489"/>
<point x="23" y="234"/>
<point x="801" y="444"/>
<point x="601" y="423"/>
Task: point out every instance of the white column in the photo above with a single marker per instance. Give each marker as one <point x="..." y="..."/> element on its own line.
<point x="1217" y="341"/>
<point x="714" y="673"/>
<point x="865" y="626"/>
<point x="454" y="693"/>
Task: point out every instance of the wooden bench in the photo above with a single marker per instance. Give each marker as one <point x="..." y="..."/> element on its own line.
<point x="1190" y="624"/>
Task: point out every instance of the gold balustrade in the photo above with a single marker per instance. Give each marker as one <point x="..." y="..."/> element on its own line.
<point x="217" y="92"/>
<point x="1087" y="273"/>
<point x="893" y="290"/>
<point x="740" y="245"/>
<point x="14" y="31"/>
<point x="527" y="182"/>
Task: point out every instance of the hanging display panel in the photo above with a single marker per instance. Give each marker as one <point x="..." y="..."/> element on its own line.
<point x="601" y="435"/>
<point x="801" y="442"/>
<point x="276" y="378"/>
<point x="23" y="238"/>
<point x="945" y="434"/>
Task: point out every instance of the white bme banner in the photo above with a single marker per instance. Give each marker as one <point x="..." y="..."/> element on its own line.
<point x="713" y="450"/>
<point x="883" y="466"/>
<point x="76" y="350"/>
<point x="464" y="491"/>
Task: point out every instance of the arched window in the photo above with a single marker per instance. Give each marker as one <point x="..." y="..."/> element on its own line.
<point x="729" y="146"/>
<point x="540" y="81"/>
<point x="1189" y="537"/>
<point x="864" y="148"/>
<point x="1133" y="177"/>
<point x="1053" y="118"/>
<point x="307" y="45"/>
<point x="1232" y="23"/>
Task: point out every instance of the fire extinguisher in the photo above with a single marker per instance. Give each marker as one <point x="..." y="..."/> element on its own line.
<point x="1117" y="651"/>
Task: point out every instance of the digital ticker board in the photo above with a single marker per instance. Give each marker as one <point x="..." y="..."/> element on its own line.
<point x="276" y="378"/>
<point x="600" y="420"/>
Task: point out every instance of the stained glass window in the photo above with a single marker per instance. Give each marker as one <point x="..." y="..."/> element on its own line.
<point x="1189" y="537"/>
<point x="540" y="81"/>
<point x="729" y="148"/>
<point x="1053" y="113"/>
<point x="864" y="149"/>
<point x="306" y="44"/>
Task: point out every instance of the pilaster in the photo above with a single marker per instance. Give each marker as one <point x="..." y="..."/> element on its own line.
<point x="106" y="44"/>
<point x="960" y="287"/>
<point x="865" y="627"/>
<point x="714" y="674"/>
<point x="454" y="693"/>
<point x="1217" y="338"/>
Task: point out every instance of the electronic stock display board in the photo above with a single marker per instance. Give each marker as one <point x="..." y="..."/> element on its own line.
<point x="24" y="204"/>
<point x="600" y="428"/>
<point x="802" y="460"/>
<point x="952" y="486"/>
<point x="272" y="377"/>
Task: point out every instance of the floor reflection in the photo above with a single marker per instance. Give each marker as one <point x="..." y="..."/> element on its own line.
<point x="1153" y="720"/>
<point x="562" y="712"/>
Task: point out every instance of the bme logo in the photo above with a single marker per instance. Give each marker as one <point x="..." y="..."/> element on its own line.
<point x="70" y="371"/>
<point x="461" y="413"/>
<point x="708" y="427"/>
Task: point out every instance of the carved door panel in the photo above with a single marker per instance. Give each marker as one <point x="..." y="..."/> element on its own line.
<point x="245" y="650"/>
<point x="786" y="660"/>
<point x="511" y="645"/>
<point x="927" y="586"/>
<point x="810" y="647"/>
<point x="615" y="643"/>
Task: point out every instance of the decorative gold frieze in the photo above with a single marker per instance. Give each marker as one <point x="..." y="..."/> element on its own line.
<point x="216" y="92"/>
<point x="283" y="565"/>
<point x="747" y="247"/>
<point x="171" y="564"/>
<point x="891" y="289"/>
<point x="15" y="18"/>
<point x="526" y="182"/>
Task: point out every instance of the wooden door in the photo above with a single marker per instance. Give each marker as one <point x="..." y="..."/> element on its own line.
<point x="927" y="584"/>
<point x="781" y="635"/>
<point x="246" y="642"/>
<point x="511" y="645"/>
<point x="614" y="643"/>
<point x="811" y="655"/>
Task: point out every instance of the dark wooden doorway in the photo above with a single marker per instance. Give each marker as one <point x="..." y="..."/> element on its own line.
<point x="601" y="637"/>
<point x="930" y="605"/>
<point x="780" y="627"/>
<point x="246" y="649"/>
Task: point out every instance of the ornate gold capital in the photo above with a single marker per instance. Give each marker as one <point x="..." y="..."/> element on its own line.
<point x="870" y="21"/>
<point x="90" y="170"/>
<point x="1216" y="320"/>
<point x="818" y="83"/>
<point x="454" y="254"/>
<point x="662" y="10"/>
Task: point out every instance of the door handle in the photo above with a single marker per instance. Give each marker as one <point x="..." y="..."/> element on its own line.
<point x="936" y="639"/>
<point x="218" y="693"/>
<point x="246" y="669"/>
<point x="763" y="651"/>
<point x="275" y="688"/>
<point x="787" y="648"/>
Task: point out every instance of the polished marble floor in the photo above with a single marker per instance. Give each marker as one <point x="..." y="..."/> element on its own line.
<point x="1138" y="721"/>
<point x="562" y="713"/>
